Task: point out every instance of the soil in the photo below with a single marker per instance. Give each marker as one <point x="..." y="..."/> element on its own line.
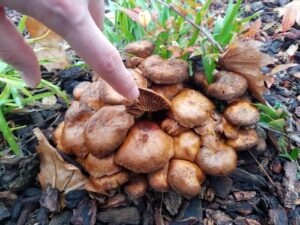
<point x="264" y="189"/>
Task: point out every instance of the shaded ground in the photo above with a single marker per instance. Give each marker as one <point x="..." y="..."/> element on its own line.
<point x="263" y="189"/>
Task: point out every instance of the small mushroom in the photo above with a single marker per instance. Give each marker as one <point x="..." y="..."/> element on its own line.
<point x="186" y="146"/>
<point x="141" y="48"/>
<point x="146" y="148"/>
<point x="241" y="113"/>
<point x="165" y="71"/>
<point x="80" y="89"/>
<point x="185" y="177"/>
<point x="132" y="61"/>
<point x="190" y="108"/>
<point x="72" y="140"/>
<point x="228" y="86"/>
<point x="169" y="91"/>
<point x="216" y="158"/>
<point x="100" y="167"/>
<point x="107" y="129"/>
<point x="91" y="97"/>
<point x="136" y="187"/>
<point x="138" y="77"/>
<point x="229" y="131"/>
<point x="211" y="126"/>
<point x="247" y="139"/>
<point x="57" y="135"/>
<point x="158" y="180"/>
<point x="172" y="127"/>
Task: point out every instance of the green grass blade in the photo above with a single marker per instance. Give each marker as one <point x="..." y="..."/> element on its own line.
<point x="21" y="25"/>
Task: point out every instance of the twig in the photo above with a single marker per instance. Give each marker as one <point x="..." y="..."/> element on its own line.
<point x="202" y="29"/>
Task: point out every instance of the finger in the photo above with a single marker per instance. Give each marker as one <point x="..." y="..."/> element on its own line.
<point x="16" y="52"/>
<point x="97" y="8"/>
<point x="91" y="45"/>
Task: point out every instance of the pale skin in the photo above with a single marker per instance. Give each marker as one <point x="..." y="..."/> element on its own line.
<point x="79" y="22"/>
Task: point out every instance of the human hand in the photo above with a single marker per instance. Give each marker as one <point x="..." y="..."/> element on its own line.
<point x="78" y="22"/>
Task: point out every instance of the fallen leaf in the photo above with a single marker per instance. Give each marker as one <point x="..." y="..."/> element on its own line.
<point x="54" y="171"/>
<point x="282" y="67"/>
<point x="47" y="45"/>
<point x="245" y="59"/>
<point x="291" y="14"/>
<point x="254" y="29"/>
<point x="291" y="51"/>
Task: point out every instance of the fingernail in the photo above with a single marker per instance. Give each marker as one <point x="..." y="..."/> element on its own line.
<point x="134" y="93"/>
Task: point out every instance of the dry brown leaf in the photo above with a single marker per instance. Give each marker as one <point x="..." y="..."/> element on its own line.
<point x="48" y="44"/>
<point x="282" y="67"/>
<point x="254" y="29"/>
<point x="291" y="14"/>
<point x="54" y="170"/>
<point x="245" y="59"/>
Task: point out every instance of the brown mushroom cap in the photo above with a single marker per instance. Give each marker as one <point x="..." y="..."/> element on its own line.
<point x="200" y="80"/>
<point x="158" y="180"/>
<point x="100" y="167"/>
<point x="185" y="177"/>
<point x="212" y="125"/>
<point x="107" y="129"/>
<point x="109" y="95"/>
<point x="190" y="108"/>
<point x="247" y="139"/>
<point x="136" y="187"/>
<point x="80" y="89"/>
<point x="132" y="61"/>
<point x="165" y="71"/>
<point x="216" y="158"/>
<point x="146" y="148"/>
<point x="138" y="77"/>
<point x="241" y="113"/>
<point x="228" y="86"/>
<point x="229" y="130"/>
<point x="91" y="97"/>
<point x="172" y="127"/>
<point x="169" y="91"/>
<point x="106" y="184"/>
<point x="57" y="135"/>
<point x="72" y="140"/>
<point x="186" y="146"/>
<point x="141" y="48"/>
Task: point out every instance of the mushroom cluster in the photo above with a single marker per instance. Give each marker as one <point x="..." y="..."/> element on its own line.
<point x="172" y="136"/>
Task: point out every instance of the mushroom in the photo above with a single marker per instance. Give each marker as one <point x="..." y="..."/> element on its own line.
<point x="169" y="91"/>
<point x="107" y="129"/>
<point x="138" y="77"/>
<point x="200" y="80"/>
<point x="229" y="131"/>
<point x="158" y="180"/>
<point x="172" y="127"/>
<point x="72" y="140"/>
<point x="109" y="95"/>
<point x="212" y="125"/>
<point x="228" y="86"/>
<point x="186" y="146"/>
<point x="216" y="158"/>
<point x="100" y="167"/>
<point x="247" y="139"/>
<point x="146" y="148"/>
<point x="132" y="61"/>
<point x="136" y="187"/>
<point x="91" y="97"/>
<point x="141" y="49"/>
<point x="165" y="71"/>
<point x="185" y="177"/>
<point x="80" y="89"/>
<point x="190" y="108"/>
<point x="241" y="113"/>
<point x="57" y="135"/>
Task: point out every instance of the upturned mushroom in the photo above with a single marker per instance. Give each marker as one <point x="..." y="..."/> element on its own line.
<point x="247" y="139"/>
<point x="146" y="148"/>
<point x="141" y="49"/>
<point x="172" y="127"/>
<point x="186" y="146"/>
<point x="190" y="108"/>
<point x="216" y="158"/>
<point x="241" y="113"/>
<point x="228" y="86"/>
<point x="107" y="129"/>
<point x="158" y="180"/>
<point x="164" y="71"/>
<point x="185" y="177"/>
<point x="136" y="187"/>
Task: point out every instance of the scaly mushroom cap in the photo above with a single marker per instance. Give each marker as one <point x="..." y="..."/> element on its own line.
<point x="80" y="89"/>
<point x="216" y="158"/>
<point x="91" y="97"/>
<point x="172" y="127"/>
<point x="141" y="49"/>
<point x="72" y="140"/>
<point x="106" y="184"/>
<point x="228" y="86"/>
<point x="136" y="187"/>
<point x="185" y="177"/>
<point x="146" y="148"/>
<point x="212" y="125"/>
<point x="247" y="139"/>
<point x="186" y="146"/>
<point x="169" y="91"/>
<point x="148" y="101"/>
<point x="107" y="129"/>
<point x="138" y="77"/>
<point x="190" y="108"/>
<point x="241" y="113"/>
<point x="100" y="167"/>
<point x="165" y="71"/>
<point x="57" y="135"/>
<point x="158" y="180"/>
